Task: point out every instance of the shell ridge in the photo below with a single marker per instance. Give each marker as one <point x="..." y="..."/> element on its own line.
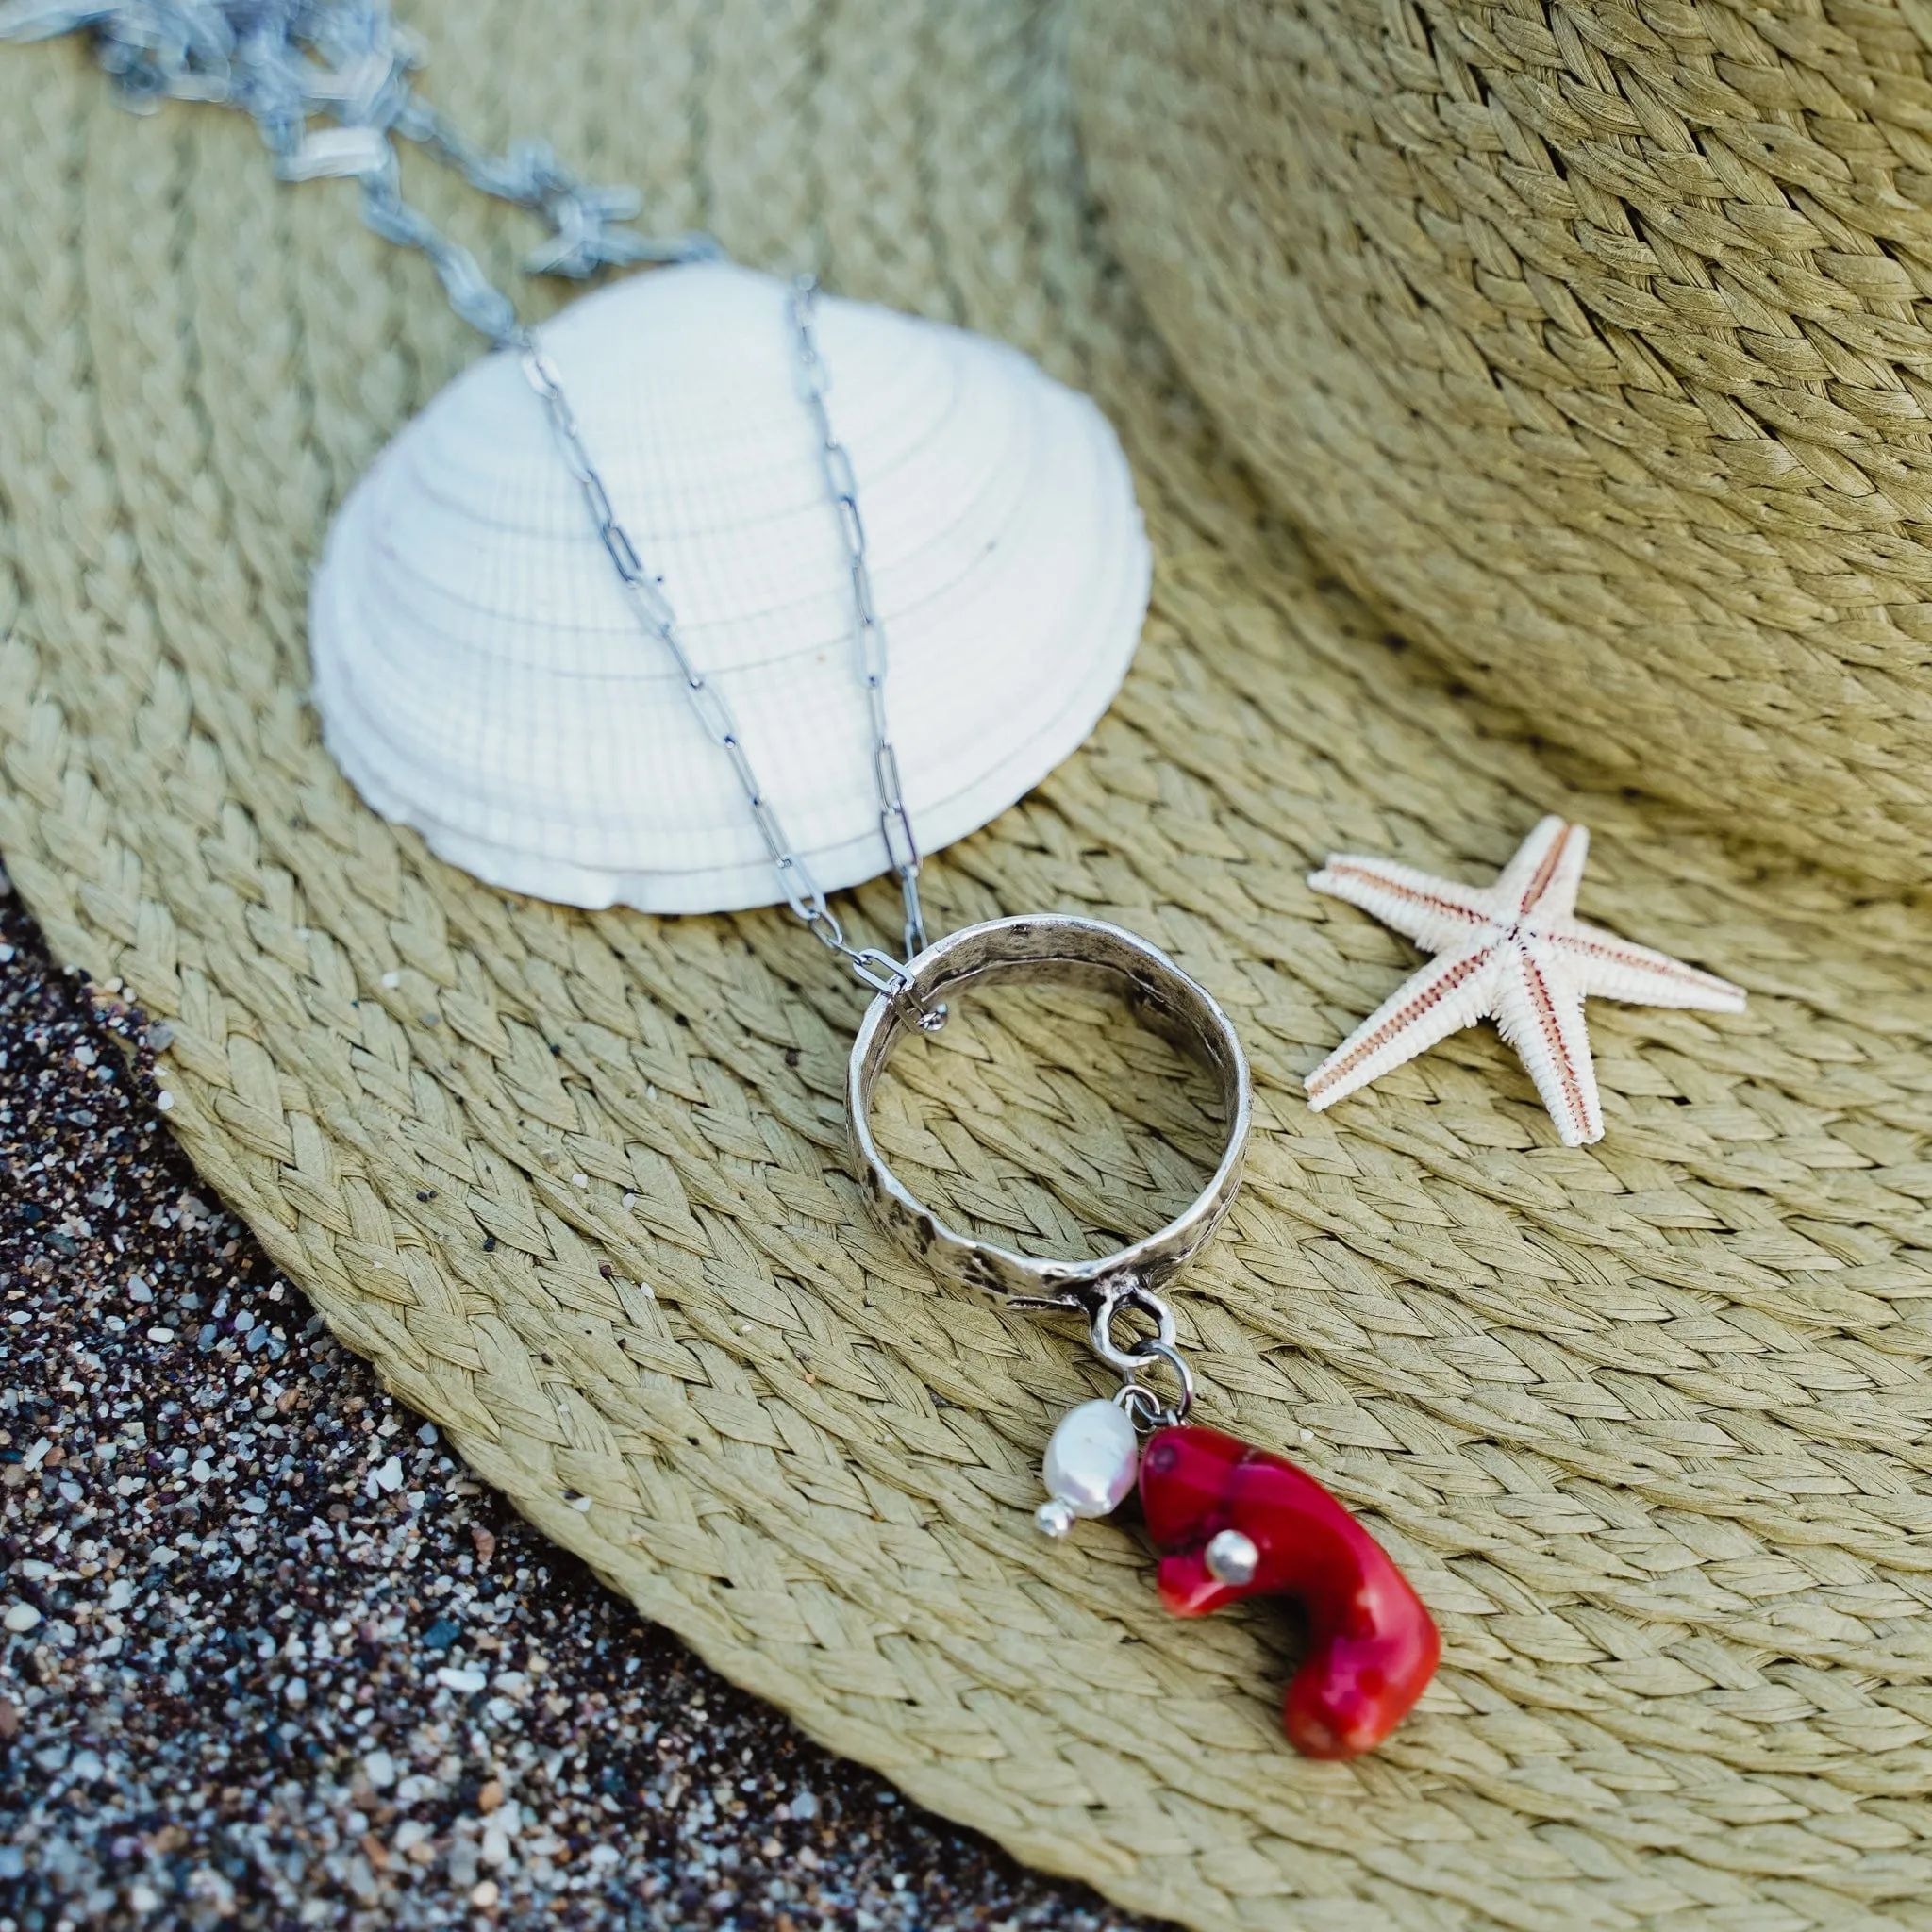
<point x="481" y="678"/>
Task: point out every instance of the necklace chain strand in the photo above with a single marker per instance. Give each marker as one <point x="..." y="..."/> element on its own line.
<point x="287" y="63"/>
<point x="869" y="633"/>
<point x="646" y="595"/>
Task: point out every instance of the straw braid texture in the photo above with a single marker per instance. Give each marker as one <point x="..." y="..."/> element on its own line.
<point x="1591" y="340"/>
<point x="1647" y="1421"/>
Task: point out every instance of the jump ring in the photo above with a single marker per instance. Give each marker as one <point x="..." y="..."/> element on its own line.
<point x="1145" y="1408"/>
<point x="1115" y="1302"/>
<point x="1166" y="1352"/>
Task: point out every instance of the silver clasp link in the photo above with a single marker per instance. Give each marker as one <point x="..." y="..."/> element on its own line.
<point x="884" y="975"/>
<point x="1142" y="1404"/>
<point x="879" y="971"/>
<point x="869" y="967"/>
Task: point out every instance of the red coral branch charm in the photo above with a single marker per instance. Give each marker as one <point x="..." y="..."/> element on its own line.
<point x="1233" y="1522"/>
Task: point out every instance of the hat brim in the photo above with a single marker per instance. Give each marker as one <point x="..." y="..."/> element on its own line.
<point x="1644" y="1422"/>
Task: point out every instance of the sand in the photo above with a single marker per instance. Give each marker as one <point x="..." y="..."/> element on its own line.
<point x="270" y="1657"/>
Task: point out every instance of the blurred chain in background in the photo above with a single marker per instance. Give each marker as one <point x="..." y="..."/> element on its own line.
<point x="328" y="84"/>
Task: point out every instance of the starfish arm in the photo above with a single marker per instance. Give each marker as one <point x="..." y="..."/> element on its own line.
<point x="1608" y="968"/>
<point x="1539" y="1012"/>
<point x="1438" y="914"/>
<point x="1449" y="993"/>
<point x="1541" y="881"/>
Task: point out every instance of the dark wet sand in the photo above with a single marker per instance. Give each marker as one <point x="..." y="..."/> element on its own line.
<point x="284" y="1664"/>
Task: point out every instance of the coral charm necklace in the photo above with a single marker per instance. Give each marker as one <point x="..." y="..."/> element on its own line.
<point x="1230" y="1521"/>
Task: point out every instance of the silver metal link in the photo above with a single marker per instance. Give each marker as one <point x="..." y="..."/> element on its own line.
<point x="871" y="663"/>
<point x="869" y="636"/>
<point x="651" y="605"/>
<point x="1119" y="1295"/>
<point x="1114" y="1300"/>
<point x="1177" y="1410"/>
<point x="712" y="710"/>
<point x="839" y="477"/>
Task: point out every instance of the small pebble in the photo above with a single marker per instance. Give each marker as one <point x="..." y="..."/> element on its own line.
<point x="20" y="1617"/>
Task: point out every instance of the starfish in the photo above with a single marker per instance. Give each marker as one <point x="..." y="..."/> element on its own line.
<point x="1514" y="953"/>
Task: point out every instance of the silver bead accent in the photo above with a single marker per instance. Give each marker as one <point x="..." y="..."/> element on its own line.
<point x="1054" y="1517"/>
<point x="1232" y="1558"/>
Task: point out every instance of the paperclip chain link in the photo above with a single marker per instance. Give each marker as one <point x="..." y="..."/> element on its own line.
<point x="869" y="633"/>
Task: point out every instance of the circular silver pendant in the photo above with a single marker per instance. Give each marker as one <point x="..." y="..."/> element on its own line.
<point x="1051" y="947"/>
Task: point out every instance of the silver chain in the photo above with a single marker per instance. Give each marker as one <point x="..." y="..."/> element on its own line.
<point x="326" y="82"/>
<point x="648" y="604"/>
<point x="344" y="64"/>
<point x="869" y="633"/>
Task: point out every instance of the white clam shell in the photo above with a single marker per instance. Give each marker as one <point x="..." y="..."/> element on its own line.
<point x="480" y="678"/>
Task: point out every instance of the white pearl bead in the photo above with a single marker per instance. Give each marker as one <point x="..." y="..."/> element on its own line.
<point x="1092" y="1460"/>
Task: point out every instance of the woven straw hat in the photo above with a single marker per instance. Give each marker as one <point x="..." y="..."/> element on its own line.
<point x="1592" y="343"/>
<point x="1646" y="1422"/>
